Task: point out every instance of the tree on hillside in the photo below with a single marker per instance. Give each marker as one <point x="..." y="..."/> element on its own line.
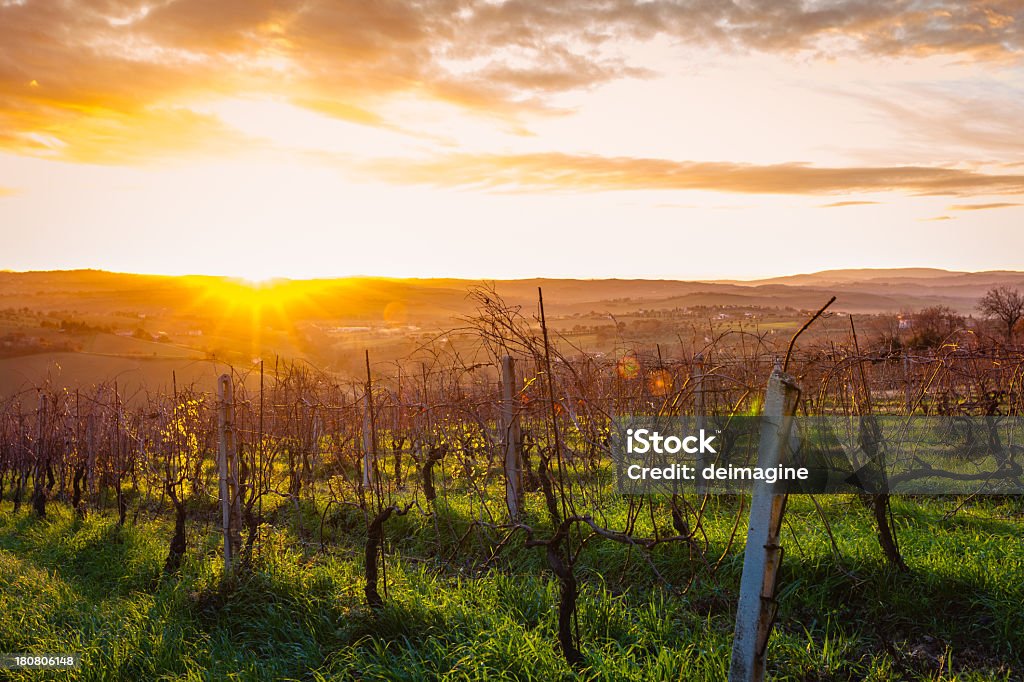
<point x="1004" y="304"/>
<point x="933" y="325"/>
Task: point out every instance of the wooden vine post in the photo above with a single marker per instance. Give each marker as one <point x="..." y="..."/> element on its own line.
<point x="368" y="444"/>
<point x="40" y="467"/>
<point x="700" y="410"/>
<point x="512" y="439"/>
<point x="755" y="613"/>
<point x="227" y="468"/>
<point x="908" y="397"/>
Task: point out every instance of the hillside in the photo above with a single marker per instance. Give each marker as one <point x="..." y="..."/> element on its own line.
<point x="89" y="325"/>
<point x="864" y="290"/>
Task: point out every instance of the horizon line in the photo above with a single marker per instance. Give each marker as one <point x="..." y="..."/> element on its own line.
<point x="288" y="278"/>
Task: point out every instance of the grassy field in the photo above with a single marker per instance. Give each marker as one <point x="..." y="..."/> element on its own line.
<point x="134" y="374"/>
<point x="87" y="586"/>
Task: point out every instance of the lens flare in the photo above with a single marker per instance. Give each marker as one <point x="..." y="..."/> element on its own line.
<point x="659" y="382"/>
<point x="628" y="367"/>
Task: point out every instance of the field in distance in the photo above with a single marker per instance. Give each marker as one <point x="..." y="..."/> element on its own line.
<point x="84" y="326"/>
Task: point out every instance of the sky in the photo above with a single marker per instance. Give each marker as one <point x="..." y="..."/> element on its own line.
<point x="695" y="139"/>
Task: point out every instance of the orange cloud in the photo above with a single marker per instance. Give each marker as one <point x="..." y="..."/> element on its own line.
<point x="117" y="61"/>
<point x="72" y="68"/>
<point x="984" y="118"/>
<point x="982" y="207"/>
<point x="555" y="171"/>
<point x="142" y="136"/>
<point x="840" y="204"/>
<point x="984" y="29"/>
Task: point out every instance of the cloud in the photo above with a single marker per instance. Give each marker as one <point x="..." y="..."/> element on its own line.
<point x="7" y="192"/>
<point x="137" y="138"/>
<point x="981" y="118"/>
<point x="985" y="29"/>
<point x="982" y="207"/>
<point x="840" y="204"/>
<point x="936" y="218"/>
<point x="68" y="67"/>
<point x="556" y="171"/>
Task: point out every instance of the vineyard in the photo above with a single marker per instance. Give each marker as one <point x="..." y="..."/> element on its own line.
<point x="455" y="516"/>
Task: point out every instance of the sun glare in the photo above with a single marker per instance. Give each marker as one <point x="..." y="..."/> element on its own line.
<point x="257" y="280"/>
<point x="256" y="275"/>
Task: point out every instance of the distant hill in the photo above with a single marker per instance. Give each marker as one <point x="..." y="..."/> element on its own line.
<point x="861" y="290"/>
<point x="826" y="277"/>
<point x="900" y="288"/>
<point x="81" y="327"/>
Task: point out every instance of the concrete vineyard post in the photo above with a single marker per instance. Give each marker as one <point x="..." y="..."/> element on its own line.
<point x="90" y="444"/>
<point x="510" y="426"/>
<point x="227" y="468"/>
<point x="367" y="444"/>
<point x="315" y="443"/>
<point x="908" y="397"/>
<point x="700" y="409"/>
<point x="761" y="558"/>
<point x="39" y="467"/>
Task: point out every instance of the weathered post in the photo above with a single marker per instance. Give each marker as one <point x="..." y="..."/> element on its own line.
<point x="90" y="443"/>
<point x="908" y="392"/>
<point x="367" y="443"/>
<point x="510" y="425"/>
<point x="317" y="430"/>
<point x="761" y="558"/>
<point x="700" y="407"/>
<point x="228" y="472"/>
<point x="39" y="469"/>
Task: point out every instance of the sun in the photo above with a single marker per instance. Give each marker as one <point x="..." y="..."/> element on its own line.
<point x="257" y="280"/>
<point x="255" y="311"/>
<point x="255" y="275"/>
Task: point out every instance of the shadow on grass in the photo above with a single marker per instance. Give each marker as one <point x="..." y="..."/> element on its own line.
<point x="99" y="559"/>
<point x="923" y="612"/>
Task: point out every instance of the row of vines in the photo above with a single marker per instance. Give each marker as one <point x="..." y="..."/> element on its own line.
<point x="309" y="448"/>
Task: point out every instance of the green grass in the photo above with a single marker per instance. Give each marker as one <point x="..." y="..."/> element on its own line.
<point x="87" y="586"/>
